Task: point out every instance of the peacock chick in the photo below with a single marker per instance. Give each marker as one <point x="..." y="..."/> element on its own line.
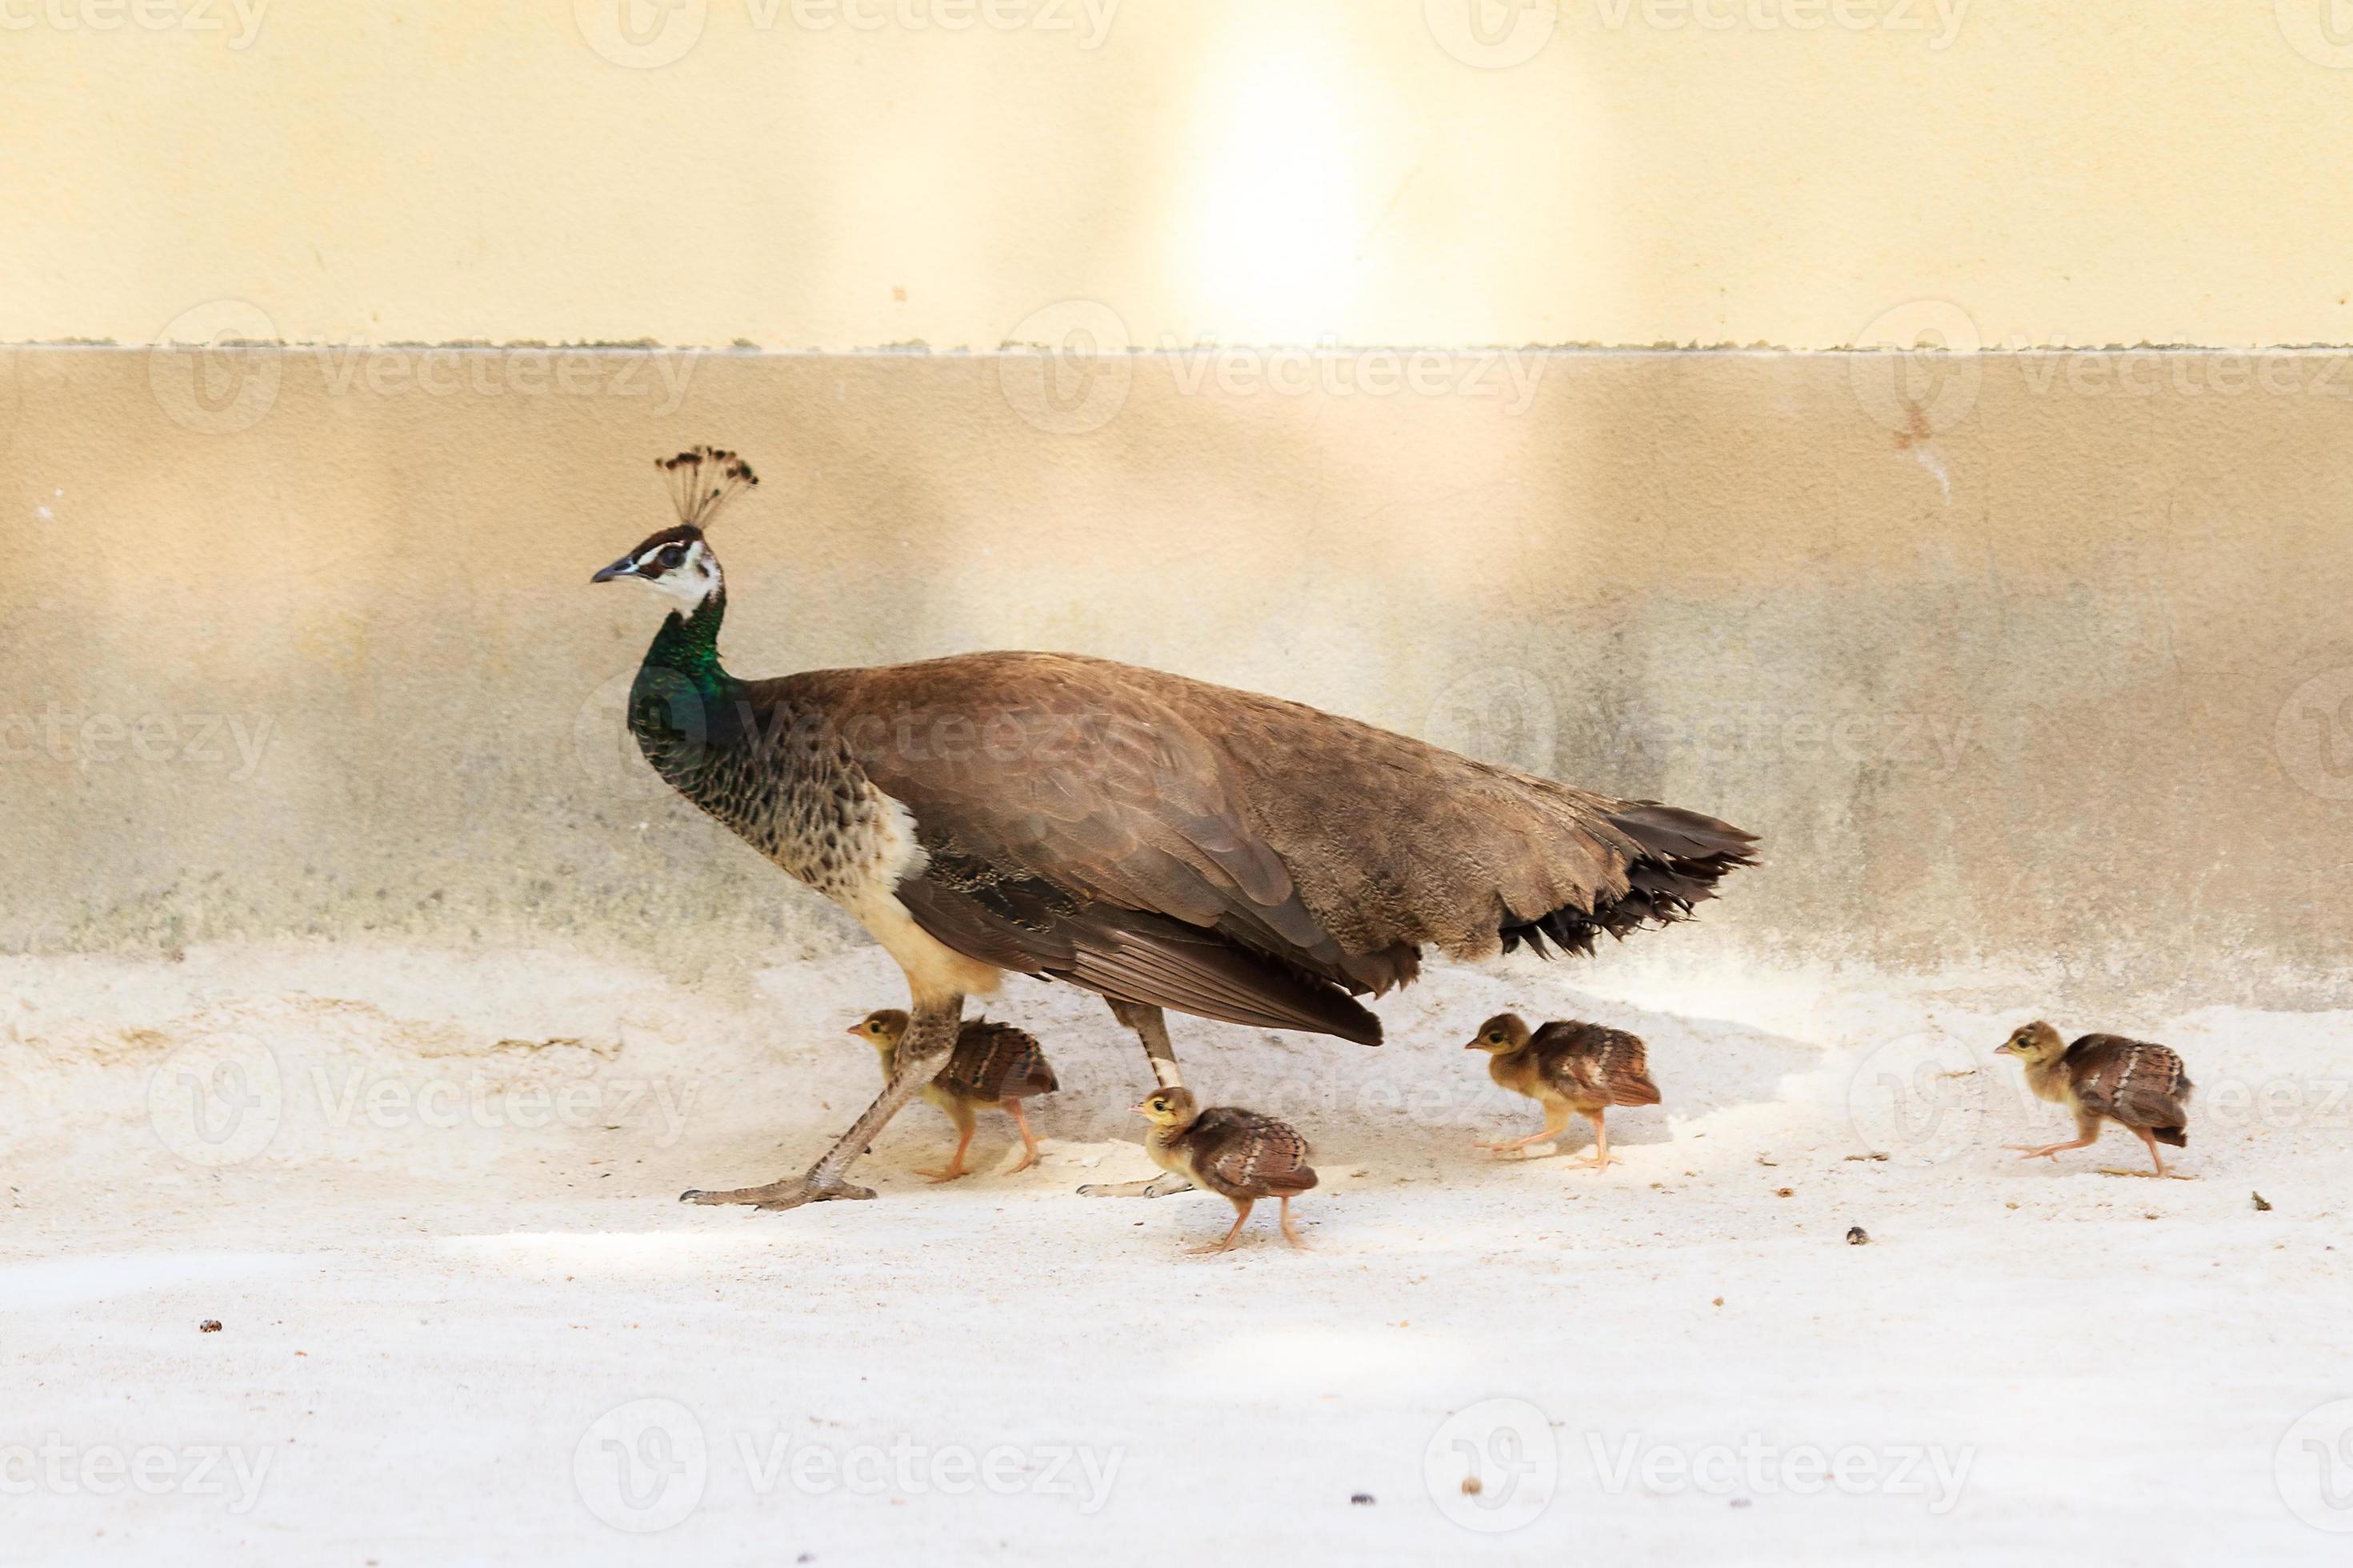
<point x="1567" y="1067"/>
<point x="991" y="1065"/>
<point x="1238" y="1154"/>
<point x="2140" y="1087"/>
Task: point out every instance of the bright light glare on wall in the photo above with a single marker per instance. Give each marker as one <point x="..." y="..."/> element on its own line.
<point x="1275" y="216"/>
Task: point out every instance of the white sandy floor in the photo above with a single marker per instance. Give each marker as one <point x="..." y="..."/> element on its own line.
<point x="431" y="1203"/>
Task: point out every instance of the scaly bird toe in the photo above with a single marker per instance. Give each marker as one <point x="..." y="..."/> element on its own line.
<point x="789" y="1193"/>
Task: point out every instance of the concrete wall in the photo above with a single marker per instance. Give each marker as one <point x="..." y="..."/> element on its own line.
<point x="2013" y="658"/>
<point x="2046" y="654"/>
<point x="847" y="173"/>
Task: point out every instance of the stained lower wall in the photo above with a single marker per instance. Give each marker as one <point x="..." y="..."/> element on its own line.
<point x="2006" y="657"/>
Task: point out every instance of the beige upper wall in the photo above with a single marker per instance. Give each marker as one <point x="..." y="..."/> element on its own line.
<point x="2106" y="171"/>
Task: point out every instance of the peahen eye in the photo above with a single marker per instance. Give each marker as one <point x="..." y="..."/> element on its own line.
<point x="672" y="557"/>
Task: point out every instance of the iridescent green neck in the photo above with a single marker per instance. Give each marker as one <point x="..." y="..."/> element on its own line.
<point x="690" y="644"/>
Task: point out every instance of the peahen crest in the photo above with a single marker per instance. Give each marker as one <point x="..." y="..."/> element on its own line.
<point x="702" y="480"/>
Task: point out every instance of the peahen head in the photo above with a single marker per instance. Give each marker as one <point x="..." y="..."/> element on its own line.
<point x="678" y="562"/>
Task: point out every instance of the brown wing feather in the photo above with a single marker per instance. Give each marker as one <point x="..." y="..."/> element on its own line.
<point x="1241" y="1155"/>
<point x="1593" y="1062"/>
<point x="997" y="1061"/>
<point x="1133" y="831"/>
<point x="2134" y="1082"/>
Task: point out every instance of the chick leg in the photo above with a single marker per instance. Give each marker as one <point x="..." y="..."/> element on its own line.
<point x="1602" y="1157"/>
<point x="931" y="1036"/>
<point x="1556" y="1123"/>
<point x="1151" y="1026"/>
<point x="2148" y="1138"/>
<point x="1028" y="1139"/>
<point x="964" y="1118"/>
<point x="1289" y="1233"/>
<point x="2029" y="1151"/>
<point x="1241" y="1212"/>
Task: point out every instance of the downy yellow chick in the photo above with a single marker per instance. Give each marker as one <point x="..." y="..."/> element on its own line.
<point x="2140" y="1087"/>
<point x="1238" y="1154"/>
<point x="1567" y="1067"/>
<point x="992" y="1064"/>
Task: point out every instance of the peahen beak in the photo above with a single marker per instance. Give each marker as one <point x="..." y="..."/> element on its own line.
<point x="626" y="566"/>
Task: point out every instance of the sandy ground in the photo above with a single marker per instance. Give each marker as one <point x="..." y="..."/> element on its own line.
<point x="430" y="1202"/>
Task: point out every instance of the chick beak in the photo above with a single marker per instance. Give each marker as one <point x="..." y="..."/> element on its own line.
<point x="855" y="1029"/>
<point x="1470" y="1044"/>
<point x="625" y="567"/>
<point x="2004" y="1050"/>
<point x="1141" y="1109"/>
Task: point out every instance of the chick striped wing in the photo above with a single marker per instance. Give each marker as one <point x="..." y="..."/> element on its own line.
<point x="1241" y="1155"/>
<point x="1592" y="1062"/>
<point x="2131" y="1081"/>
<point x="997" y="1061"/>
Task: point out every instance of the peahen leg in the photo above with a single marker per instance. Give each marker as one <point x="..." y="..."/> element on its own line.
<point x="931" y="1036"/>
<point x="1151" y="1026"/>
